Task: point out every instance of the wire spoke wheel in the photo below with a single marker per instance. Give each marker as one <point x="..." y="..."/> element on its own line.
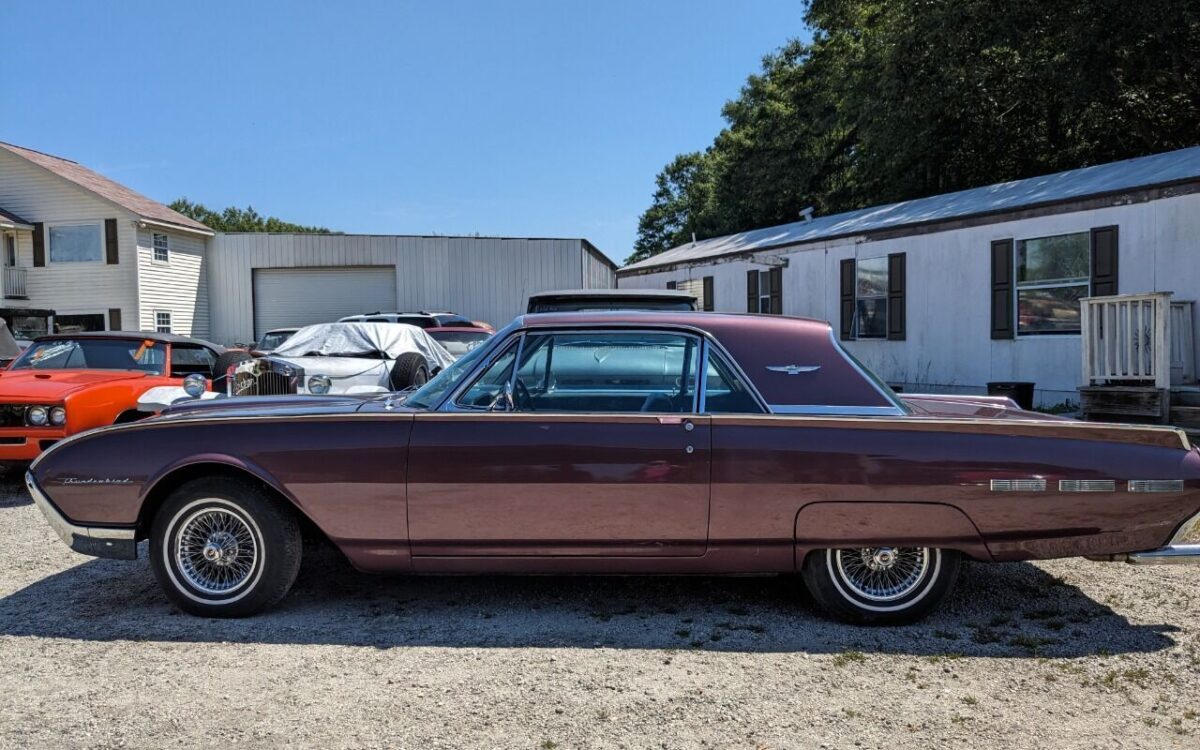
<point x="882" y="574"/>
<point x="216" y="551"/>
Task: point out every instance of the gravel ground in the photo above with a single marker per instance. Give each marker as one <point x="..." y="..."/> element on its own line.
<point x="1065" y="654"/>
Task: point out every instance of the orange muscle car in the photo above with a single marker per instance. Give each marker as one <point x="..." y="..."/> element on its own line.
<point x="67" y="383"/>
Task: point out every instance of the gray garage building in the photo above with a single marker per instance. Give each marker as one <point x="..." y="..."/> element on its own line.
<point x="261" y="281"/>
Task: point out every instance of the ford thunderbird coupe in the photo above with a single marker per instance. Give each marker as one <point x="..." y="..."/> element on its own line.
<point x="625" y="442"/>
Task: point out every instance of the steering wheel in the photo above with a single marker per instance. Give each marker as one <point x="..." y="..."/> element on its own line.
<point x="522" y="401"/>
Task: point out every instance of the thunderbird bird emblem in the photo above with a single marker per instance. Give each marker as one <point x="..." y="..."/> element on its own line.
<point x="793" y="369"/>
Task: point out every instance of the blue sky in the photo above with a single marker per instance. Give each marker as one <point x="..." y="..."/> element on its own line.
<point x="511" y="118"/>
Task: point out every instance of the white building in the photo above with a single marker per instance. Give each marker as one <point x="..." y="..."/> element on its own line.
<point x="951" y="292"/>
<point x="105" y="258"/>
<point x="99" y="254"/>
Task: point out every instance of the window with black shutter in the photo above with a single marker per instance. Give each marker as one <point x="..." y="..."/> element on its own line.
<point x="39" y="244"/>
<point x="895" y="297"/>
<point x="1104" y="261"/>
<point x="775" y="295"/>
<point x="847" y="311"/>
<point x="111" y="247"/>
<point x="709" y="300"/>
<point x="1002" y="289"/>
<point x="752" y="291"/>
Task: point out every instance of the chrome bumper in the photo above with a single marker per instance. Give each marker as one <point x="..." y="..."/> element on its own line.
<point x="97" y="541"/>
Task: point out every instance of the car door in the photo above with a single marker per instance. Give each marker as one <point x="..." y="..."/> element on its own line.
<point x="569" y="443"/>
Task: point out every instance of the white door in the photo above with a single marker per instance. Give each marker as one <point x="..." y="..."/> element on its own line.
<point x="292" y="297"/>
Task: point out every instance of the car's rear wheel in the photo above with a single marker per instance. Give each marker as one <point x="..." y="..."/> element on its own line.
<point x="880" y="585"/>
<point x="410" y="369"/>
<point x="222" y="547"/>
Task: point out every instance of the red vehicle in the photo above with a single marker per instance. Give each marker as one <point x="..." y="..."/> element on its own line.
<point x="626" y="442"/>
<point x="67" y="383"/>
<point x="458" y="340"/>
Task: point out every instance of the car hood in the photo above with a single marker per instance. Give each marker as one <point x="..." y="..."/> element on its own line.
<point x="55" y="384"/>
<point x="264" y="406"/>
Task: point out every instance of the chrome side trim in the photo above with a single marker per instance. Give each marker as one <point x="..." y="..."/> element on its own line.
<point x="1155" y="485"/>
<point x="1018" y="485"/>
<point x="1174" y="554"/>
<point x="1087" y="485"/>
<point x="852" y="411"/>
<point x="67" y="531"/>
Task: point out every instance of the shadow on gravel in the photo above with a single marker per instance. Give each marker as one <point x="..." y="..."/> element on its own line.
<point x="12" y="487"/>
<point x="1004" y="611"/>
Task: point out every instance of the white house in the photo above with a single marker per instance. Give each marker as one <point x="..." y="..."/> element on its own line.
<point x="105" y="258"/>
<point x="99" y="254"/>
<point x="951" y="292"/>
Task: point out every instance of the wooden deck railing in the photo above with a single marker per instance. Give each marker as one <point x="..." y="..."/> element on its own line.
<point x="1137" y="338"/>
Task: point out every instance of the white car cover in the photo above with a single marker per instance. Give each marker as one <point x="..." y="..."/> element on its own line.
<point x="344" y="353"/>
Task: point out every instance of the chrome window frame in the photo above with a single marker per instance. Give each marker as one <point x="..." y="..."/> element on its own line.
<point x="704" y="340"/>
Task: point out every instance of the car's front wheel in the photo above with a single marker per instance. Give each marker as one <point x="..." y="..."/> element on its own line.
<point x="222" y="547"/>
<point x="880" y="585"/>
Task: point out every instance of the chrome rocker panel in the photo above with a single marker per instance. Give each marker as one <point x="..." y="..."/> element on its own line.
<point x="97" y="541"/>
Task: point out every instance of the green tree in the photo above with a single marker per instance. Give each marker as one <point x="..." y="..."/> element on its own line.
<point x="682" y="196"/>
<point x="899" y="99"/>
<point x="235" y="219"/>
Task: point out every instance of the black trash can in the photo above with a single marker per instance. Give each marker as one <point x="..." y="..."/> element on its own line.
<point x="1019" y="391"/>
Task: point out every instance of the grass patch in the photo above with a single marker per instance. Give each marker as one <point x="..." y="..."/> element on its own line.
<point x="849" y="657"/>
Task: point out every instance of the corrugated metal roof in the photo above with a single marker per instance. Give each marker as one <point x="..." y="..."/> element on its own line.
<point x="1142" y="172"/>
<point x="111" y="191"/>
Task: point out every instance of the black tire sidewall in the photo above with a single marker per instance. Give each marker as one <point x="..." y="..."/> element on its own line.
<point x="275" y="531"/>
<point x="405" y="370"/>
<point x="821" y="577"/>
<point x="224" y="361"/>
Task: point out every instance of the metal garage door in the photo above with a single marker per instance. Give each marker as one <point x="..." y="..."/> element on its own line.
<point x="289" y="297"/>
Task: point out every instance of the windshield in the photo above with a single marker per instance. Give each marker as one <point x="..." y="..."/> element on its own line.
<point x="93" y="354"/>
<point x="273" y="339"/>
<point x="430" y="394"/>
<point x="459" y="343"/>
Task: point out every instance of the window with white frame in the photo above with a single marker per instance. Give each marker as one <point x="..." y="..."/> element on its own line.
<point x="162" y="321"/>
<point x="76" y="243"/>
<point x="871" y="297"/>
<point x="764" y="291"/>
<point x="1053" y="274"/>
<point x="162" y="248"/>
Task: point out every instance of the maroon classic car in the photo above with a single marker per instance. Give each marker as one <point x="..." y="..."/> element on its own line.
<point x="625" y="442"/>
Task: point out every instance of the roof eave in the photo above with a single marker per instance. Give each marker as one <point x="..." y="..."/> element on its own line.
<point x="205" y="232"/>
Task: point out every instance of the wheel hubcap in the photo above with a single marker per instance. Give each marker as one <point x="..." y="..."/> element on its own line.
<point x="216" y="551"/>
<point x="883" y="573"/>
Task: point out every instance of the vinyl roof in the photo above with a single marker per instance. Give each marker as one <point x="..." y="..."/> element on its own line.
<point x="113" y="192"/>
<point x="1146" y="171"/>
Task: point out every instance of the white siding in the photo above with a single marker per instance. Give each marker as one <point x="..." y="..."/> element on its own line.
<point x="70" y="288"/>
<point x="179" y="286"/>
<point x="949" y="346"/>
<point x="483" y="278"/>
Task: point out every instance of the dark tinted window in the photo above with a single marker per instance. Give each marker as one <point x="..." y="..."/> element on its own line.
<point x="93" y="354"/>
<point x="724" y="391"/>
<point x="186" y="360"/>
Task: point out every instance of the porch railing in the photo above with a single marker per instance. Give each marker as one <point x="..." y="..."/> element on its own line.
<point x="1137" y="338"/>
<point x="14" y="283"/>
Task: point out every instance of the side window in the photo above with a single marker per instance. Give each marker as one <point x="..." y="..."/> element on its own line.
<point x="186" y="360"/>
<point x="490" y="385"/>
<point x="606" y="372"/>
<point x="724" y="391"/>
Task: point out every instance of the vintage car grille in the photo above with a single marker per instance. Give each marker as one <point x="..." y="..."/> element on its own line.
<point x="264" y="377"/>
<point x="12" y="415"/>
